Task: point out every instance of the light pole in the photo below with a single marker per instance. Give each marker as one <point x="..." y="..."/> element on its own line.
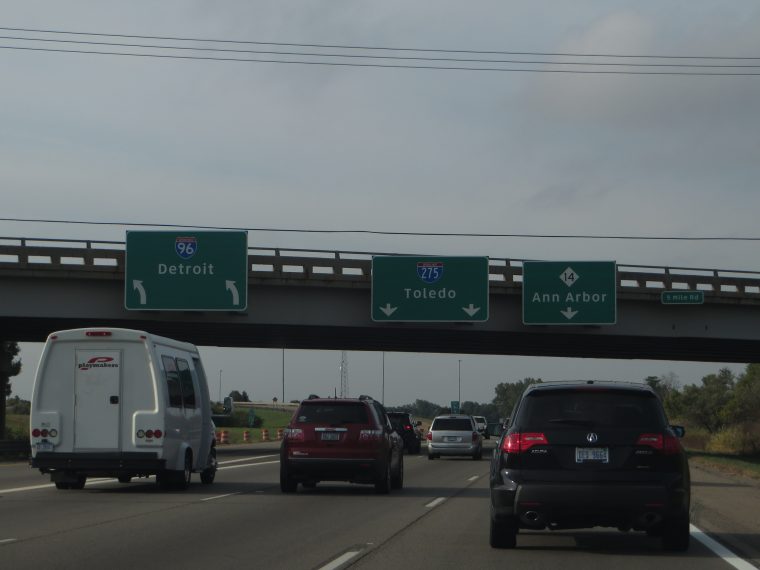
<point x="220" y="384"/>
<point x="460" y="384"/>
<point x="283" y="375"/>
<point x="382" y="394"/>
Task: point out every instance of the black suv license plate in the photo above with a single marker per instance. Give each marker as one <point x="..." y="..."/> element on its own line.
<point x="592" y="454"/>
<point x="330" y="436"/>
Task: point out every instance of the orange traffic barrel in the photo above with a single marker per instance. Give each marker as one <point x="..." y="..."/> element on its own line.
<point x="264" y="435"/>
<point x="225" y="436"/>
<point x="246" y="436"/>
<point x="280" y="431"/>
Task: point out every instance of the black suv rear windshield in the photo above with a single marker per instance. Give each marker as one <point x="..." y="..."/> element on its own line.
<point x="451" y="424"/>
<point x="546" y="409"/>
<point x="333" y="413"/>
<point x="399" y="419"/>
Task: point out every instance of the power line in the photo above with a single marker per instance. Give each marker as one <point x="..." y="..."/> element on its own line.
<point x="393" y="66"/>
<point x="384" y="48"/>
<point x="385" y="57"/>
<point x="679" y="68"/>
<point x="392" y="233"/>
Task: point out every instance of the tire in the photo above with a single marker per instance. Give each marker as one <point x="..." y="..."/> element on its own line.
<point x="397" y="480"/>
<point x="62" y="486"/>
<point x="79" y="483"/>
<point x="309" y="484"/>
<point x="675" y="534"/>
<point x="287" y="484"/>
<point x="124" y="478"/>
<point x="383" y="484"/>
<point x="503" y="534"/>
<point x="209" y="473"/>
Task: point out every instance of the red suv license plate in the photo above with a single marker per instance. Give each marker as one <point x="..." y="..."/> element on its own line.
<point x="592" y="454"/>
<point x="330" y="436"/>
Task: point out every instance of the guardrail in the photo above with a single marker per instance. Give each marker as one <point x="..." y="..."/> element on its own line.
<point x="354" y="268"/>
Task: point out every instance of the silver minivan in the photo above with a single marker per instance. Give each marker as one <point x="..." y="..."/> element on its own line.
<point x="454" y="434"/>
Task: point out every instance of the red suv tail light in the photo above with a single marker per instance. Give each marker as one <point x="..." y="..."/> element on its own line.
<point x="522" y="442"/>
<point x="370" y="434"/>
<point x="667" y="444"/>
<point x="294" y="434"/>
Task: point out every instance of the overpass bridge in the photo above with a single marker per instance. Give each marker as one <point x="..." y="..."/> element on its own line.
<point x="318" y="299"/>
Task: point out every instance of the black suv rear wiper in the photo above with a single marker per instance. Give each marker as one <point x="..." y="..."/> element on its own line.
<point x="575" y="422"/>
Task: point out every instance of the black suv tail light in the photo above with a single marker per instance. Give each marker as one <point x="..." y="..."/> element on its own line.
<point x="522" y="442"/>
<point x="667" y="444"/>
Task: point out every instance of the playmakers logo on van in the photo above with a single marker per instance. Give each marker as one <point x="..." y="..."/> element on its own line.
<point x="98" y="362"/>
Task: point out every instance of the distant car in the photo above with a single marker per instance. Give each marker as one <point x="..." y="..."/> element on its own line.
<point x="341" y="439"/>
<point x="454" y="434"/>
<point x="585" y="454"/>
<point x="482" y="425"/>
<point x="406" y="426"/>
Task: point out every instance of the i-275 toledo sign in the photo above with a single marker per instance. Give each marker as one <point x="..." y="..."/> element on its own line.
<point x="424" y="288"/>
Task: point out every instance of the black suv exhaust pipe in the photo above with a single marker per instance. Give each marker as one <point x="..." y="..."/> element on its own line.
<point x="533" y="519"/>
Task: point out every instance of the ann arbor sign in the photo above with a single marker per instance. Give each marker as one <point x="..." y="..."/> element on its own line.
<point x="569" y="293"/>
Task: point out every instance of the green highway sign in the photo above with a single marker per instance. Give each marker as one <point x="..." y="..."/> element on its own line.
<point x="682" y="297"/>
<point x="419" y="289"/>
<point x="569" y="293"/>
<point x="454" y="406"/>
<point x="186" y="271"/>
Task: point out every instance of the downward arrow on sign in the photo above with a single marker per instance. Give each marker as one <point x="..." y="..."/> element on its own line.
<point x="388" y="310"/>
<point x="569" y="313"/>
<point x="471" y="310"/>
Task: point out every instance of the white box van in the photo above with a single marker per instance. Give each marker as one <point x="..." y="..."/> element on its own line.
<point x="122" y="403"/>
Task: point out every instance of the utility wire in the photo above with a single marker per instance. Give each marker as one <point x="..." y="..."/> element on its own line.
<point x="678" y="68"/>
<point x="393" y="66"/>
<point x="391" y="233"/>
<point x="384" y="57"/>
<point x="344" y="46"/>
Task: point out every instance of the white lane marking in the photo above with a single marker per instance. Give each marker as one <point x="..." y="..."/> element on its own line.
<point x="473" y="478"/>
<point x="342" y="559"/>
<point x="720" y="550"/>
<point x="7" y="540"/>
<point x="246" y="459"/>
<point x="247" y="465"/>
<point x="220" y="496"/>
<point x="436" y="502"/>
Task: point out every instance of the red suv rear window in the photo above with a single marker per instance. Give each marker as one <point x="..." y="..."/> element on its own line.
<point x="332" y="414"/>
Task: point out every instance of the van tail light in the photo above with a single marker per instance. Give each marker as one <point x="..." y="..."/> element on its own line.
<point x="429" y="436"/>
<point x="294" y="434"/>
<point x="407" y="427"/>
<point x="149" y="434"/>
<point x="36" y="432"/>
<point x="522" y="442"/>
<point x="667" y="444"/>
<point x="475" y="437"/>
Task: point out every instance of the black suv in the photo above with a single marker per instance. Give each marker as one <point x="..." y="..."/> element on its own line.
<point x="341" y="439"/>
<point x="406" y="427"/>
<point x="585" y="454"/>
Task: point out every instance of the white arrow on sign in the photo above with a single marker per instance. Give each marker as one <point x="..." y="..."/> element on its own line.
<point x="569" y="313"/>
<point x="230" y="286"/>
<point x="138" y="286"/>
<point x="471" y="310"/>
<point x="388" y="310"/>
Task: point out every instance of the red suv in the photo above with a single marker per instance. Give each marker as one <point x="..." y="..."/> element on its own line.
<point x="344" y="439"/>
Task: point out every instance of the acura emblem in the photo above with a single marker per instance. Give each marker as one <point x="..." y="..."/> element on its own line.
<point x="592" y="437"/>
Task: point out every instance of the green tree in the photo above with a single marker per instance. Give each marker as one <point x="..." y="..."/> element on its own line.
<point x="706" y="405"/>
<point x="507" y="394"/>
<point x="9" y="366"/>
<point x="744" y="406"/>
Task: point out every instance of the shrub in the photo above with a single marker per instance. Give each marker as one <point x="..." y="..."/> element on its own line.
<point x="739" y="439"/>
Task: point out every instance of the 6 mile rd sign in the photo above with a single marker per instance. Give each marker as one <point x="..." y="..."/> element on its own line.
<point x="569" y="293"/>
<point x="411" y="288"/>
<point x="186" y="271"/>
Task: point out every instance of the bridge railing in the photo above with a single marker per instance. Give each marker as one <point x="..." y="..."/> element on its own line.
<point x="322" y="267"/>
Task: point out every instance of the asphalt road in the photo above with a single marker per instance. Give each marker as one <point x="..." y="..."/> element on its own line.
<point x="438" y="520"/>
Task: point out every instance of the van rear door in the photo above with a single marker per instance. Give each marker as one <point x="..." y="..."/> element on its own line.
<point x="96" y="399"/>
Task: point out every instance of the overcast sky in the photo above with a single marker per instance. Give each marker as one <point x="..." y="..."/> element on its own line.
<point x="201" y="142"/>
